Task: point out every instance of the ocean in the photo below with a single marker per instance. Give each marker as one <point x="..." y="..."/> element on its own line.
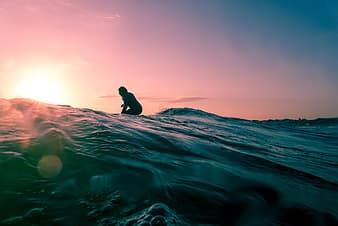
<point x="61" y="165"/>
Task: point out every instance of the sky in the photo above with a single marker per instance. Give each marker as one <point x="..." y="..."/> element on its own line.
<point x="250" y="59"/>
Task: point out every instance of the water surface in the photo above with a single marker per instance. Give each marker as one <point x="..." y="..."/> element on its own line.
<point x="66" y="166"/>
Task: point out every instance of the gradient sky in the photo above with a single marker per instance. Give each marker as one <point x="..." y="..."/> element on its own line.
<point x="250" y="59"/>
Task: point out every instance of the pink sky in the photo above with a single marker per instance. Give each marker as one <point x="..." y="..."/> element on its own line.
<point x="168" y="55"/>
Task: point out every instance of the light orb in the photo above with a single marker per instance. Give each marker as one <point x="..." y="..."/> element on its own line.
<point x="50" y="166"/>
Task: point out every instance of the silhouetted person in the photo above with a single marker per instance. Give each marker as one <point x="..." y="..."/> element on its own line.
<point x="130" y="105"/>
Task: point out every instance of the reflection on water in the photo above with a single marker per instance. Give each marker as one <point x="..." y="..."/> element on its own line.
<point x="65" y="166"/>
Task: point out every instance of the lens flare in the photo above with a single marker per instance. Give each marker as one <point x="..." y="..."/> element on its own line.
<point x="50" y="166"/>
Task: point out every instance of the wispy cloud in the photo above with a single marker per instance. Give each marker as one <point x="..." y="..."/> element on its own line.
<point x="65" y="3"/>
<point x="188" y="99"/>
<point x="82" y="62"/>
<point x="156" y="99"/>
<point x="112" y="17"/>
<point x="108" y="96"/>
<point x="170" y="100"/>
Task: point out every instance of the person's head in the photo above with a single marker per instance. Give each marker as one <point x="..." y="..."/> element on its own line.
<point x="123" y="91"/>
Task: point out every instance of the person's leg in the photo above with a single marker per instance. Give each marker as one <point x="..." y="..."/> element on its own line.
<point x="129" y="112"/>
<point x="134" y="111"/>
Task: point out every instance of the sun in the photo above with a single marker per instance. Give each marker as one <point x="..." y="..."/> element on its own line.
<point x="40" y="85"/>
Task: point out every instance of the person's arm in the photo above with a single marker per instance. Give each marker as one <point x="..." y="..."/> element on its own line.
<point x="124" y="109"/>
<point x="125" y="105"/>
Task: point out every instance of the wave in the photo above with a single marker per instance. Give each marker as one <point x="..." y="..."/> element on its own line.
<point x="188" y="112"/>
<point x="305" y="122"/>
<point x="68" y="166"/>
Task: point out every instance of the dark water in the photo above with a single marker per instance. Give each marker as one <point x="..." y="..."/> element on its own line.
<point x="65" y="166"/>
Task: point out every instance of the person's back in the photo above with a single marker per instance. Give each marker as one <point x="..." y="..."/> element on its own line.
<point x="130" y="104"/>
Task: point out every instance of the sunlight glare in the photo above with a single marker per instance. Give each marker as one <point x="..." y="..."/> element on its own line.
<point x="40" y="85"/>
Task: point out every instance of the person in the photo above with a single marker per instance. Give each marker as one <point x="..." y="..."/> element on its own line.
<point x="130" y="104"/>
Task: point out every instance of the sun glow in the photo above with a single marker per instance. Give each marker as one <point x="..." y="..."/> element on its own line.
<point x="40" y="85"/>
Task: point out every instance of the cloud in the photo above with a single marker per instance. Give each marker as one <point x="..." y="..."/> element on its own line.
<point x="172" y="100"/>
<point x="65" y="3"/>
<point x="188" y="99"/>
<point x="169" y="100"/>
<point x="82" y="62"/>
<point x="156" y="99"/>
<point x="112" y="17"/>
<point x="108" y="96"/>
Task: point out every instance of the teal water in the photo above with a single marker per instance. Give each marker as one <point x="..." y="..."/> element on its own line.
<point x="66" y="166"/>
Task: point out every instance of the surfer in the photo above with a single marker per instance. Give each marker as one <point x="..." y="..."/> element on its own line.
<point x="130" y="104"/>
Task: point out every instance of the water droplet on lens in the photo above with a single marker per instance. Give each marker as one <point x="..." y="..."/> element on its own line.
<point x="50" y="166"/>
